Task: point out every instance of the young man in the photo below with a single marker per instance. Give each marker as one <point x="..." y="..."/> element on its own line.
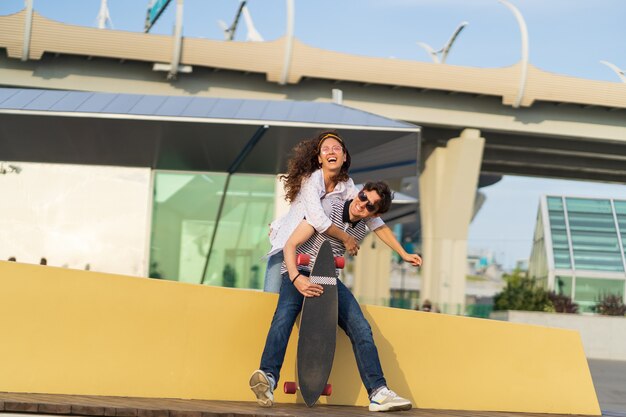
<point x="373" y="200"/>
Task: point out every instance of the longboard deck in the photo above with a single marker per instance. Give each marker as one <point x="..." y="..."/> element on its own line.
<point x="318" y="329"/>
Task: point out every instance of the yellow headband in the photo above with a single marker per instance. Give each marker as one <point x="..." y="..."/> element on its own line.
<point x="327" y="136"/>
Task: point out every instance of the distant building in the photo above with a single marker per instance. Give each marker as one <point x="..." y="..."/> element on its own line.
<point x="578" y="247"/>
<point x="521" y="264"/>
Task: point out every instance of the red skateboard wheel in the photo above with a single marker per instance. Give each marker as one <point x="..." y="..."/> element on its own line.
<point x="290" y="387"/>
<point x="328" y="389"/>
<point x="303" y="259"/>
<point x="340" y="262"/>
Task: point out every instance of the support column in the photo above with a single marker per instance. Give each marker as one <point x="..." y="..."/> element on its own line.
<point x="448" y="185"/>
<point x="371" y="271"/>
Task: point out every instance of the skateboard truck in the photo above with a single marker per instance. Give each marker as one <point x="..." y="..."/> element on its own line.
<point x="305" y="259"/>
<point x="290" y="387"/>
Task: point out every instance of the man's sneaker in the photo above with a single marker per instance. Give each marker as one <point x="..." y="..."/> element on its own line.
<point x="387" y="400"/>
<point x="262" y="385"/>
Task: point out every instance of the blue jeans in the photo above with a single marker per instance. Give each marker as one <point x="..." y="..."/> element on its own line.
<point x="272" y="273"/>
<point x="351" y="320"/>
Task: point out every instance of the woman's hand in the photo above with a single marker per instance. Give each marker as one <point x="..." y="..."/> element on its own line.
<point x="307" y="288"/>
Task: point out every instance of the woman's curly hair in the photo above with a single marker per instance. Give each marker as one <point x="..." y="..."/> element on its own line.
<point x="303" y="163"/>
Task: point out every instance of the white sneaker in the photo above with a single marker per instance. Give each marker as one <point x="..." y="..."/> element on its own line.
<point x="262" y="385"/>
<point x="387" y="400"/>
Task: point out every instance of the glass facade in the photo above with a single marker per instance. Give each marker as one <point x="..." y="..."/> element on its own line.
<point x="594" y="237"/>
<point x="620" y="214"/>
<point x="187" y="223"/>
<point x="589" y="290"/>
<point x="563" y="285"/>
<point x="558" y="229"/>
<point x="585" y="228"/>
<point x="588" y="247"/>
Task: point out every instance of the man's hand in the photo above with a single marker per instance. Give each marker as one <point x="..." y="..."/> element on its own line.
<point x="412" y="258"/>
<point x="307" y="288"/>
<point x="352" y="247"/>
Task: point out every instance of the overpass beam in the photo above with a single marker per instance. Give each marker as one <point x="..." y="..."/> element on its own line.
<point x="448" y="184"/>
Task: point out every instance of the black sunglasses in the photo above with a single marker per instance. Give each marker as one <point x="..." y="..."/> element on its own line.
<point x="369" y="206"/>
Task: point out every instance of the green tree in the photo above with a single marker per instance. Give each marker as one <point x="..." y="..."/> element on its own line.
<point x="522" y="293"/>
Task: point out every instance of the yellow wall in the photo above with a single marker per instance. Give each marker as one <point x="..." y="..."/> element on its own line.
<point x="76" y="332"/>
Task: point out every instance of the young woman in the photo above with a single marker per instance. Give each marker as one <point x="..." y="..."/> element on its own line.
<point x="319" y="169"/>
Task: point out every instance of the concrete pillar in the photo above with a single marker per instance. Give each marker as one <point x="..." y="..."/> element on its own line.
<point x="372" y="267"/>
<point x="448" y="185"/>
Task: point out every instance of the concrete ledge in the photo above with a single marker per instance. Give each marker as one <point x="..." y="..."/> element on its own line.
<point x="603" y="337"/>
<point x="85" y="333"/>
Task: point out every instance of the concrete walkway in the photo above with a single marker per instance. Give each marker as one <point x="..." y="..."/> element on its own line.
<point x="609" y="378"/>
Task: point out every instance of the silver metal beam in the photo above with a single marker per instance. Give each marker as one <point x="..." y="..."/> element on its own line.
<point x="28" y="25"/>
<point x="524" y="59"/>
<point x="284" y="76"/>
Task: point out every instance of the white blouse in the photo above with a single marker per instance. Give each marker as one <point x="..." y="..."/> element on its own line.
<point x="308" y="205"/>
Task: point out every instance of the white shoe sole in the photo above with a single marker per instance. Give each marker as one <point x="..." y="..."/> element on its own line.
<point x="260" y="385"/>
<point x="390" y="407"/>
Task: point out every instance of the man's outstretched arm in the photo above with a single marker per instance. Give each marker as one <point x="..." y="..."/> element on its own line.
<point x="302" y="233"/>
<point x="386" y="235"/>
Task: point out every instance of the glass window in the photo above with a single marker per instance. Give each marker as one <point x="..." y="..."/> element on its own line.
<point x="620" y="207"/>
<point x="595" y="241"/>
<point x="184" y="217"/>
<point x="560" y="244"/>
<point x="592" y="222"/>
<point x="588" y="290"/>
<point x="557" y="220"/>
<point x="597" y="251"/>
<point x="586" y="205"/>
<point x="241" y="240"/>
<point x="598" y="261"/>
<point x="559" y="240"/>
<point x="561" y="259"/>
<point x="555" y="203"/>
<point x="563" y="285"/>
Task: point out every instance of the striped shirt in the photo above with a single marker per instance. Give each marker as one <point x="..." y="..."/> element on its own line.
<point x="338" y="213"/>
<point x="308" y="205"/>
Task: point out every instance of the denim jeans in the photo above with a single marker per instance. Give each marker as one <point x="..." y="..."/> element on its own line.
<point x="272" y="273"/>
<point x="351" y="320"/>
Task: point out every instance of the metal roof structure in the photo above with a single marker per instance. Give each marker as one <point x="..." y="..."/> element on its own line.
<point x="192" y="133"/>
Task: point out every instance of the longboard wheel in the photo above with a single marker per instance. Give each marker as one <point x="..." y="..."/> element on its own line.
<point x="340" y="262"/>
<point x="303" y="259"/>
<point x="328" y="389"/>
<point x="290" y="387"/>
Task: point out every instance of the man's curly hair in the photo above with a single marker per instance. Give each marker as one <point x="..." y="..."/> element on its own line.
<point x="303" y="163"/>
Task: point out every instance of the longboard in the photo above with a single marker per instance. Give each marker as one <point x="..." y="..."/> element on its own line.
<point x="318" y="330"/>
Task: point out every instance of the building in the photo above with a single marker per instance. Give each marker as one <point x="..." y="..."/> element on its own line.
<point x="179" y="188"/>
<point x="578" y="247"/>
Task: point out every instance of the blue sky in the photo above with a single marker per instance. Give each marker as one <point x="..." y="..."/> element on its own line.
<point x="565" y="36"/>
